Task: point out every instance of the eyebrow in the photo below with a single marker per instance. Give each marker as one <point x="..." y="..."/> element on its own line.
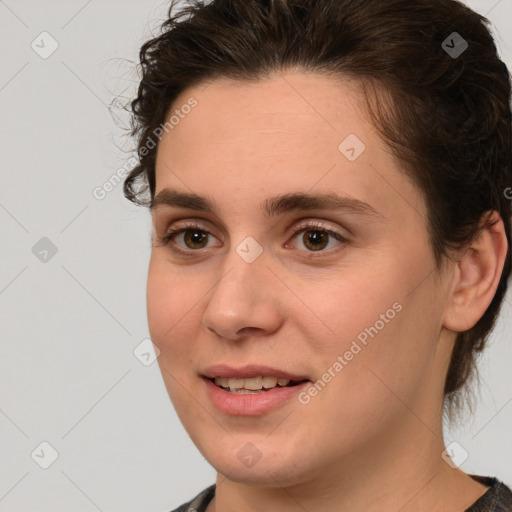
<point x="272" y="206"/>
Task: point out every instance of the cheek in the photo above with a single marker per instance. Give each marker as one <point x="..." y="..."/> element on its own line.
<point x="369" y="321"/>
<point x="351" y="305"/>
<point x="383" y="347"/>
<point x="172" y="322"/>
<point x="172" y="305"/>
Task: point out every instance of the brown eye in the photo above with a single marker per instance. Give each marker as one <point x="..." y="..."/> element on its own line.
<point x="188" y="238"/>
<point x="195" y="238"/>
<point x="315" y="239"/>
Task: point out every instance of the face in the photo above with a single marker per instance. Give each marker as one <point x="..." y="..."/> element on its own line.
<point x="338" y="296"/>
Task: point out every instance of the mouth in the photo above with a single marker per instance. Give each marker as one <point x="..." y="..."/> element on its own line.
<point x="252" y="389"/>
<point x="254" y="385"/>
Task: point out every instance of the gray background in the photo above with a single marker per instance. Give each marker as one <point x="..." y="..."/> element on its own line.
<point x="69" y="325"/>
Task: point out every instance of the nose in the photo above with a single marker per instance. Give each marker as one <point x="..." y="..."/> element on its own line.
<point x="243" y="301"/>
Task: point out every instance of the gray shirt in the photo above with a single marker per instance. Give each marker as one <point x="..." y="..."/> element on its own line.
<point x="498" y="498"/>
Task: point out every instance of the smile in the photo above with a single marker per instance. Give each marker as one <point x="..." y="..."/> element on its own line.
<point x="252" y="385"/>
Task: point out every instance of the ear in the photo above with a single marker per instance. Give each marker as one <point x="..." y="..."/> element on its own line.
<point x="476" y="276"/>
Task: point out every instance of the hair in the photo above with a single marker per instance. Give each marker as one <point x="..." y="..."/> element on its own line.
<point x="445" y="117"/>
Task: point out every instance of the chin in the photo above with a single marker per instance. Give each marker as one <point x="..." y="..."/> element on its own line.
<point x="258" y="464"/>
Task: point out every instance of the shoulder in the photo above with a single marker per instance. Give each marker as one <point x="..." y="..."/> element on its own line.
<point x="498" y="498"/>
<point x="199" y="503"/>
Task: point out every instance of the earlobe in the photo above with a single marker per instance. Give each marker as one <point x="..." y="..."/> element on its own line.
<point x="476" y="276"/>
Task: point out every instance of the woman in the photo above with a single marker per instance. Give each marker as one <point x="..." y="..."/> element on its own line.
<point x="327" y="182"/>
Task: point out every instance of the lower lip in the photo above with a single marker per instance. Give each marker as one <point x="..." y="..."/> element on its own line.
<point x="251" y="404"/>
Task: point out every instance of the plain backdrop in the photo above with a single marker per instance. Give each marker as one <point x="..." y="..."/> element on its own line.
<point x="73" y="394"/>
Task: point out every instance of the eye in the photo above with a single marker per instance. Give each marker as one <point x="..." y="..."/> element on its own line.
<point x="186" y="237"/>
<point x="316" y="237"/>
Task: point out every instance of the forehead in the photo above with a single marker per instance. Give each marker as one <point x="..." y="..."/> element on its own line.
<point x="289" y="132"/>
<point x="283" y="111"/>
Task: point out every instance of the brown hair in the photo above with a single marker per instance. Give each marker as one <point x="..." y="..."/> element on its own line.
<point x="450" y="121"/>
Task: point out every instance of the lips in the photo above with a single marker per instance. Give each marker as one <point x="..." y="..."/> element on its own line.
<point x="240" y="401"/>
<point x="249" y="371"/>
<point x="243" y="402"/>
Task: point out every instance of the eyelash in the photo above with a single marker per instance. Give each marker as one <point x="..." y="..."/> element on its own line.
<point x="308" y="226"/>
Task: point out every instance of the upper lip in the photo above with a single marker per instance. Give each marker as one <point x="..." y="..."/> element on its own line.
<point x="248" y="371"/>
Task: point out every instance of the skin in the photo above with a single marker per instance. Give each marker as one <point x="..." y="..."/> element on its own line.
<point x="372" y="438"/>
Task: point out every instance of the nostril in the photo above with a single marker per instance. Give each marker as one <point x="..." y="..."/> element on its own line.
<point x="246" y="330"/>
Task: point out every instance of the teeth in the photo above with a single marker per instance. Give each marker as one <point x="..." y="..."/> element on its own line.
<point x="252" y="383"/>
<point x="269" y="382"/>
<point x="222" y="381"/>
<point x="236" y="383"/>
